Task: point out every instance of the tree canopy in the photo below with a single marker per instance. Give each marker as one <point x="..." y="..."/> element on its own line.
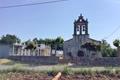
<point x="56" y="43"/>
<point x="116" y="42"/>
<point x="31" y="45"/>
<point x="9" y="39"/>
<point x="107" y="50"/>
<point x="91" y="47"/>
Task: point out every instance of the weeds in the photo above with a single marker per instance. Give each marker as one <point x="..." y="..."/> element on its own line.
<point x="67" y="71"/>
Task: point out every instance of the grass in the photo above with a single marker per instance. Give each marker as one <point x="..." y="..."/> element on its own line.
<point x="88" y="71"/>
<point x="5" y="61"/>
<point x="65" y="71"/>
<point x="53" y="69"/>
<point x="12" y="63"/>
<point x="18" y="67"/>
<point x="18" y="70"/>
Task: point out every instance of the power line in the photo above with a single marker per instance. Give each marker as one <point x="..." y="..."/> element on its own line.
<point x="31" y="4"/>
<point x="112" y="33"/>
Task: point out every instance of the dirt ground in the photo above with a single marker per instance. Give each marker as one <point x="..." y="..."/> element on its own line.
<point x="91" y="77"/>
<point x="19" y="76"/>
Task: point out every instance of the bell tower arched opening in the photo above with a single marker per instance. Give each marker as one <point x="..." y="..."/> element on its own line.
<point x="81" y="26"/>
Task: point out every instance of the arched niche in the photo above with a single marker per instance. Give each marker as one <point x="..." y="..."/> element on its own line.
<point x="80" y="53"/>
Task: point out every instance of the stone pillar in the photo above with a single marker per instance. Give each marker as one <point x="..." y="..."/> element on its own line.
<point x="75" y="29"/>
<point x="86" y="31"/>
<point x="80" y="30"/>
<point x="24" y="51"/>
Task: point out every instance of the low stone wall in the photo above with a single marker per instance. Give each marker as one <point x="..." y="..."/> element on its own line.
<point x="105" y="61"/>
<point x="36" y="59"/>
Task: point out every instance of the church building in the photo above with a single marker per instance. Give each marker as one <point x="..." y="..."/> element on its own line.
<point x="73" y="47"/>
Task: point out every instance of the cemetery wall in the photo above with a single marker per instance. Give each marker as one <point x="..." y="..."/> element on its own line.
<point x="36" y="59"/>
<point x="104" y="61"/>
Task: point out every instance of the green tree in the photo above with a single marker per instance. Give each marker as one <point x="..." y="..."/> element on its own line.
<point x="9" y="39"/>
<point x="41" y="41"/>
<point x="106" y="49"/>
<point x="91" y="47"/>
<point x="54" y="43"/>
<point x="116" y="43"/>
<point x="27" y="42"/>
<point x="31" y="46"/>
<point x="48" y="41"/>
<point x="35" y="40"/>
<point x="59" y="43"/>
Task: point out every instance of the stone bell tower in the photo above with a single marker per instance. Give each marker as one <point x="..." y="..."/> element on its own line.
<point x="73" y="47"/>
<point x="81" y="27"/>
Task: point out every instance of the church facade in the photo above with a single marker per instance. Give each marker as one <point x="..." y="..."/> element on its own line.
<point x="73" y="47"/>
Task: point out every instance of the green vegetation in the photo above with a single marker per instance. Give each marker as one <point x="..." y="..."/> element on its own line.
<point x="19" y="72"/>
<point x="56" y="44"/>
<point x="66" y="70"/>
<point x="107" y="50"/>
<point x="36" y="75"/>
<point x="116" y="43"/>
<point x="9" y="39"/>
<point x="31" y="45"/>
<point x="91" y="47"/>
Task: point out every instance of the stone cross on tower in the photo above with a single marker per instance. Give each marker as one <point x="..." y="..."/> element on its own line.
<point x="81" y="26"/>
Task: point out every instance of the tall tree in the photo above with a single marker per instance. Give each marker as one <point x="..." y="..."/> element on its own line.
<point x="41" y="41"/>
<point x="31" y="46"/>
<point x="59" y="43"/>
<point x="106" y="49"/>
<point x="9" y="39"/>
<point x="54" y="43"/>
<point x="35" y="40"/>
<point x="116" y="43"/>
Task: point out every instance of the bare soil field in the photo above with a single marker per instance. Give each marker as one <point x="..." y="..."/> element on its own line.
<point x="90" y="77"/>
<point x="38" y="76"/>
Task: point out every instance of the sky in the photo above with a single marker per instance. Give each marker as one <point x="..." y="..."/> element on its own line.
<point x="56" y="19"/>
